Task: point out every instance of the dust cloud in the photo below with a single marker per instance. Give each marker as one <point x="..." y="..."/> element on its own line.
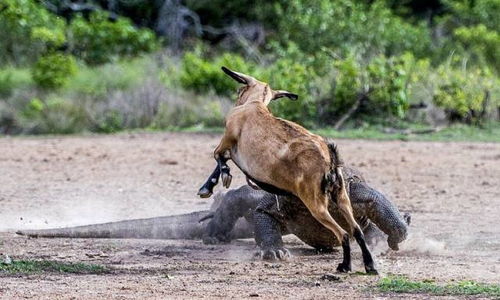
<point x="418" y="243"/>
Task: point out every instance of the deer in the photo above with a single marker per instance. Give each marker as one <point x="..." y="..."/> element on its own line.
<point x="284" y="158"/>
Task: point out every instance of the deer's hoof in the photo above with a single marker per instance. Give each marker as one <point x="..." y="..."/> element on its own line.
<point x="343" y="268"/>
<point x="204" y="192"/>
<point x="226" y="179"/>
<point x="371" y="270"/>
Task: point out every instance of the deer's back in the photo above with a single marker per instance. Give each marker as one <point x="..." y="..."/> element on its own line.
<point x="277" y="151"/>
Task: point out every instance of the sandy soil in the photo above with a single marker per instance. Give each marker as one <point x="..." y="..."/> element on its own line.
<point x="451" y="189"/>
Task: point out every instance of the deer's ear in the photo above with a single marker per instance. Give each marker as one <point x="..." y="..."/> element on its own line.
<point x="241" y="78"/>
<point x="281" y="94"/>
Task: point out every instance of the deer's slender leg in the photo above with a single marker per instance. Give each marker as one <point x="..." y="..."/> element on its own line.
<point x="224" y="169"/>
<point x="320" y="213"/>
<point x="207" y="188"/>
<point x="344" y="204"/>
<point x="222" y="154"/>
<point x="316" y="202"/>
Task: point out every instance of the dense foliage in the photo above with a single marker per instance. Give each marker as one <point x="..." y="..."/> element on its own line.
<point x="103" y="66"/>
<point x="98" y="39"/>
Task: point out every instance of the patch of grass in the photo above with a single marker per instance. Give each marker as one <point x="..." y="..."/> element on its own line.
<point x="460" y="132"/>
<point x="454" y="133"/>
<point x="41" y="266"/>
<point x="371" y="133"/>
<point x="200" y="129"/>
<point x="401" y="284"/>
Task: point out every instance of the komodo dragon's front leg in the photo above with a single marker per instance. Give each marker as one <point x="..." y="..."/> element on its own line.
<point x="253" y="205"/>
<point x="236" y="203"/>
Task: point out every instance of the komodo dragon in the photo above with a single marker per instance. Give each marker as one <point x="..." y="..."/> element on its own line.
<point x="246" y="212"/>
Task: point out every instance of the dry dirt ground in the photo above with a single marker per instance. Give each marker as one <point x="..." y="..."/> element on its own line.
<point x="451" y="189"/>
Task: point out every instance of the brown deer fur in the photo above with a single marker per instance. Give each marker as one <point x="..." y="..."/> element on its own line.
<point x="284" y="156"/>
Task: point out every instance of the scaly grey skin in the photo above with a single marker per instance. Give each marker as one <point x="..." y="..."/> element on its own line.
<point x="185" y="226"/>
<point x="246" y="213"/>
<point x="275" y="216"/>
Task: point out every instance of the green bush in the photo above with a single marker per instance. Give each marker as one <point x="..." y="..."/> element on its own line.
<point x="100" y="40"/>
<point x="6" y="84"/>
<point x="481" y="43"/>
<point x="54" y="115"/>
<point x="463" y="92"/>
<point x="54" y="70"/>
<point x="344" y="26"/>
<point x="111" y="121"/>
<point x="27" y="31"/>
<point x="388" y="80"/>
<point x="205" y="75"/>
<point x="348" y="84"/>
<point x="381" y="86"/>
<point x="286" y="74"/>
<point x="474" y="12"/>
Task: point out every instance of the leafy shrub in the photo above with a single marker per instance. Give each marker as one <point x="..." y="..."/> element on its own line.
<point x="100" y="40"/>
<point x="12" y="79"/>
<point x="380" y="87"/>
<point x="28" y="30"/>
<point x="54" y="70"/>
<point x="202" y="75"/>
<point x="465" y="93"/>
<point x="109" y="122"/>
<point x="347" y="85"/>
<point x="346" y="25"/>
<point x="474" y="12"/>
<point x="482" y="43"/>
<point x="6" y="84"/>
<point x="388" y="79"/>
<point x="286" y="74"/>
<point x="54" y="115"/>
<point x="216" y="12"/>
<point x="33" y="109"/>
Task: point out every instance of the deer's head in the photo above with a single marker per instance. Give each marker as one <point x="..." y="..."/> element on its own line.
<point x="255" y="90"/>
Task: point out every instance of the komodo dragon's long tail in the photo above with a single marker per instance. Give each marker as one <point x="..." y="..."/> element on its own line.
<point x="185" y="226"/>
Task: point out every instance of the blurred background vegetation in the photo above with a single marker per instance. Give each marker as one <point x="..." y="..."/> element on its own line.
<point x="104" y="66"/>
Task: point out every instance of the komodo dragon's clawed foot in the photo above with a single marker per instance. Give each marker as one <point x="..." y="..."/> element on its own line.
<point x="274" y="254"/>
